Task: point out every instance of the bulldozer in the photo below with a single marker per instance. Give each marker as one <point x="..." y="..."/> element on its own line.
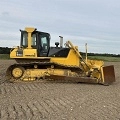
<point x="36" y="60"/>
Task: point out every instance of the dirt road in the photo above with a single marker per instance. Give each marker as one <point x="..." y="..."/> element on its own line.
<point x="58" y="101"/>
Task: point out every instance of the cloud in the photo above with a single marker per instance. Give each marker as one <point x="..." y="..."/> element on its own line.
<point x="4" y="14"/>
<point x="91" y="21"/>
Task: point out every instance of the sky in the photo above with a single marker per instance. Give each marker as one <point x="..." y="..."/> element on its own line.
<point x="95" y="22"/>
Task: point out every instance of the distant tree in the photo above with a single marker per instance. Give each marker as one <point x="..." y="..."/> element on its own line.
<point x="100" y="54"/>
<point x="4" y="50"/>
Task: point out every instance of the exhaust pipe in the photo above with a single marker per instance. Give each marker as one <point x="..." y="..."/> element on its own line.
<point x="61" y="41"/>
<point x="86" y="51"/>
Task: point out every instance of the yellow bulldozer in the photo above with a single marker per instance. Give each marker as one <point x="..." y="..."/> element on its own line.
<point x="37" y="60"/>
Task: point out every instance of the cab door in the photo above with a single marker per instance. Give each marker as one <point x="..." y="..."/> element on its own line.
<point x="43" y="44"/>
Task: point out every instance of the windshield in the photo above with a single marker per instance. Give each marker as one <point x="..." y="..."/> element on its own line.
<point x="33" y="40"/>
<point x="24" y="40"/>
<point x="44" y="43"/>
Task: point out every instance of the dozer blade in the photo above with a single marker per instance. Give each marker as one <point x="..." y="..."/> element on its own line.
<point x="107" y="78"/>
<point x="108" y="74"/>
<point x="73" y="79"/>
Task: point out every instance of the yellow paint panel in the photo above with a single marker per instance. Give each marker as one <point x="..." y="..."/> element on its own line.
<point x="72" y="59"/>
<point x="27" y="53"/>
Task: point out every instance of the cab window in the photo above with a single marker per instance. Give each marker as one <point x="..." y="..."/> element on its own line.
<point x="33" y="40"/>
<point x="44" y="43"/>
<point x="25" y="40"/>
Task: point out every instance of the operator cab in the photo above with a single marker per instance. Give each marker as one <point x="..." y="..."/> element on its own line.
<point x="33" y="39"/>
<point x="39" y="40"/>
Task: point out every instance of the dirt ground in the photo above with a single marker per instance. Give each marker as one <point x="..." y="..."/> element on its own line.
<point x="58" y="101"/>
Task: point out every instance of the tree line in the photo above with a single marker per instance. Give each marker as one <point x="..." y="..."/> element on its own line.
<point x="100" y="54"/>
<point x="6" y="50"/>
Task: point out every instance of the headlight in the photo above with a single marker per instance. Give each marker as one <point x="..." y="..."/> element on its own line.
<point x="19" y="53"/>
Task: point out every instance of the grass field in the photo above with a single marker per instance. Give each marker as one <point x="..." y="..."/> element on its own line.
<point x="103" y="58"/>
<point x="4" y="56"/>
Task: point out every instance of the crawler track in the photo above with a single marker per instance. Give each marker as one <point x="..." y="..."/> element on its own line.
<point x="40" y="65"/>
<point x="58" y="101"/>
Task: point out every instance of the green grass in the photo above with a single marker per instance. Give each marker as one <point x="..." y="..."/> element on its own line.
<point x="4" y="56"/>
<point x="103" y="58"/>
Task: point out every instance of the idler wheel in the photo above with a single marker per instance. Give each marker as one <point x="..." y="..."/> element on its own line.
<point x="17" y="72"/>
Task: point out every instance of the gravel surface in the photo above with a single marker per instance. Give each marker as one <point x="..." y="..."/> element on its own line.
<point x="58" y="101"/>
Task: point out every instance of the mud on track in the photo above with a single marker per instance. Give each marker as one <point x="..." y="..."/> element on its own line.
<point x="58" y="101"/>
